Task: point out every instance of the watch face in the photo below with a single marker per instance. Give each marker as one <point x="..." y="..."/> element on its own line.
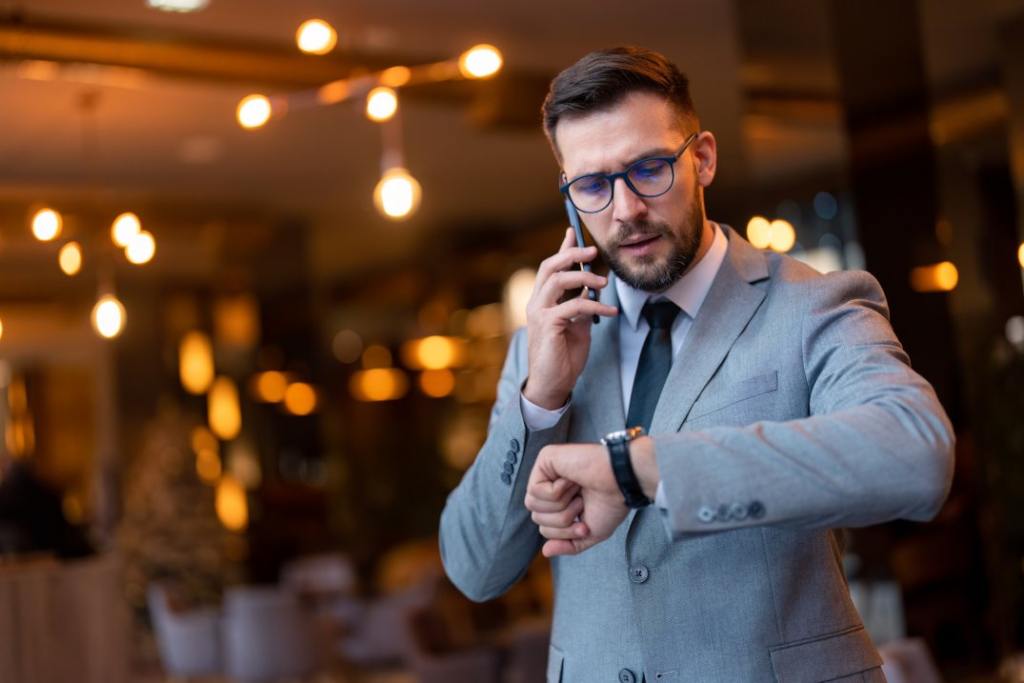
<point x="622" y="435"/>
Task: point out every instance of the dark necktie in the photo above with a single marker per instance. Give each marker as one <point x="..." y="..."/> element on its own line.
<point x="655" y="362"/>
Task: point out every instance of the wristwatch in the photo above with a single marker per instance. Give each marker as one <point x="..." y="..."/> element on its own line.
<point x="617" y="444"/>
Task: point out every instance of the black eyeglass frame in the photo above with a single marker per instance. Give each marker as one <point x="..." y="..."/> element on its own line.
<point x="612" y="177"/>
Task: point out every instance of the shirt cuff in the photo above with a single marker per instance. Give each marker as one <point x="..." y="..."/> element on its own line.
<point x="659" y="498"/>
<point x="537" y="418"/>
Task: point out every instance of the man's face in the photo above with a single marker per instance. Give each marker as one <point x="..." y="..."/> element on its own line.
<point x="648" y="242"/>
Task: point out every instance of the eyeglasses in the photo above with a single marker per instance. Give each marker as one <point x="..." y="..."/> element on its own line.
<point x="648" y="178"/>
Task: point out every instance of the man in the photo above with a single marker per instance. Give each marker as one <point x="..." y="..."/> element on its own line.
<point x="779" y="406"/>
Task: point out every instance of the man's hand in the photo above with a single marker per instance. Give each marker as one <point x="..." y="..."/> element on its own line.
<point x="574" y="498"/>
<point x="559" y="333"/>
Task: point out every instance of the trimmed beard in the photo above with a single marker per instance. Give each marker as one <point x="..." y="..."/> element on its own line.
<point x="652" y="276"/>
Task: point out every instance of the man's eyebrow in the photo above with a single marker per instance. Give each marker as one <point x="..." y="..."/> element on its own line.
<point x="647" y="154"/>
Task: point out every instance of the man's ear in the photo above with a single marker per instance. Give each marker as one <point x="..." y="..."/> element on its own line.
<point x="705" y="152"/>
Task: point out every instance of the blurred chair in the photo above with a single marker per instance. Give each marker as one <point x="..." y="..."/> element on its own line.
<point x="63" y="621"/>
<point x="268" y="635"/>
<point x="382" y="636"/>
<point x="909" y="661"/>
<point x="443" y="650"/>
<point x="189" y="641"/>
<point x="320" y="576"/>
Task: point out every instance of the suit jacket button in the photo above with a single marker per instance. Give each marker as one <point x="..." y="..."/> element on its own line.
<point x="507" y="468"/>
<point x="514" y="445"/>
<point x="756" y="509"/>
<point x="627" y="676"/>
<point x="638" y="573"/>
<point x="723" y="513"/>
<point x="506" y="479"/>
<point x="511" y="457"/>
<point x="705" y="514"/>
<point x="738" y="511"/>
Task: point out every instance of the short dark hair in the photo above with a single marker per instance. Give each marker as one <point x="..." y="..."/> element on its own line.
<point x="601" y="79"/>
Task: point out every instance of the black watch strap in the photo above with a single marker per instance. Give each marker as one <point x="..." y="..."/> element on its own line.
<point x="625" y="477"/>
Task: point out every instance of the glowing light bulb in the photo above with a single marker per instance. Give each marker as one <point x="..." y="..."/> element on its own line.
<point x="195" y="363"/>
<point x="316" y="37"/>
<point x="253" y="111"/>
<point x="124" y="228"/>
<point x="46" y="224"/>
<point x="397" y="195"/>
<point x="782" y="237"/>
<point x="70" y="258"/>
<point x="480" y="61"/>
<point x="1020" y="254"/>
<point x="231" y="503"/>
<point x="141" y="248"/>
<point x="223" y="411"/>
<point x="300" y="398"/>
<point x="759" y="232"/>
<point x="381" y="104"/>
<point x="108" y="316"/>
<point x="395" y="76"/>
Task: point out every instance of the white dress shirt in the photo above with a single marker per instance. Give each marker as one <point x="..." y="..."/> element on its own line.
<point x="688" y="292"/>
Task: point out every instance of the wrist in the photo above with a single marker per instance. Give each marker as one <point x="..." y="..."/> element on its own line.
<point x="645" y="464"/>
<point x="545" y="400"/>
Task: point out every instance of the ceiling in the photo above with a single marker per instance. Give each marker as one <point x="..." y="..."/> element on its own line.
<point x="166" y="141"/>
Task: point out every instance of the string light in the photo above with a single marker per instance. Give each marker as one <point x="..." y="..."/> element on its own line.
<point x="783" y="236"/>
<point x="195" y="363"/>
<point x="141" y="248"/>
<point x="108" y="316"/>
<point x="480" y="61"/>
<point x="316" y="37"/>
<point x="300" y="398"/>
<point x="937" y="277"/>
<point x="381" y="104"/>
<point x="223" y="411"/>
<point x="46" y="224"/>
<point x="70" y="258"/>
<point x="397" y="195"/>
<point x="253" y="111"/>
<point x="126" y="226"/>
<point x="759" y="232"/>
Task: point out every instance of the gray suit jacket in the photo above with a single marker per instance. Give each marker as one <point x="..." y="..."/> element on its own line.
<point x="790" y="411"/>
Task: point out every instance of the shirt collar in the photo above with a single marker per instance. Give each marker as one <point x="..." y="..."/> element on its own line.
<point x="688" y="292"/>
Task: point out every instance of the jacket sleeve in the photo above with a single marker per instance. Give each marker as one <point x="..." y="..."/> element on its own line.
<point x="487" y="537"/>
<point x="876" y="445"/>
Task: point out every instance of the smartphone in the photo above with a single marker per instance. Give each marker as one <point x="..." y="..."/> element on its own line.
<point x="574" y="221"/>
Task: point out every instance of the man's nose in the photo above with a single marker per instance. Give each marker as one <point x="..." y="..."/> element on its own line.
<point x="626" y="204"/>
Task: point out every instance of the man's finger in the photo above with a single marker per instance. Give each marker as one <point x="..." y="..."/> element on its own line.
<point x="563" y="281"/>
<point x="554" y="533"/>
<point x="562" y="517"/>
<point x="574" y="308"/>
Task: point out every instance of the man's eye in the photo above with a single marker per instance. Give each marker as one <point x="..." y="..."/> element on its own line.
<point x="592" y="186"/>
<point x="648" y="169"/>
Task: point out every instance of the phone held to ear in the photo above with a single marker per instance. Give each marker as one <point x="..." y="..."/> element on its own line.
<point x="574" y="221"/>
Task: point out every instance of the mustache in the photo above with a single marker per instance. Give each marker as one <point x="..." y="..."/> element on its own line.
<point x="634" y="229"/>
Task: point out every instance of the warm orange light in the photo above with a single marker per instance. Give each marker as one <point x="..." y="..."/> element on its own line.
<point x="1020" y="255"/>
<point x="480" y="61"/>
<point x="208" y="466"/>
<point x="46" y="224"/>
<point x="938" y="277"/>
<point x="437" y="383"/>
<point x="395" y="77"/>
<point x="223" y="411"/>
<point x="195" y="363"/>
<point x="202" y="439"/>
<point x="431" y="353"/>
<point x="126" y="226"/>
<point x="782" y="237"/>
<point x="270" y="386"/>
<point x="141" y="248"/>
<point x="379" y="384"/>
<point x="70" y="258"/>
<point x="759" y="232"/>
<point x="381" y="104"/>
<point x="108" y="316"/>
<point x="253" y="111"/>
<point x="232" y="506"/>
<point x="300" y="398"/>
<point x="397" y="194"/>
<point x="316" y="37"/>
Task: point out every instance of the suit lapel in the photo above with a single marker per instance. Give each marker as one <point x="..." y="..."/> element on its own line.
<point x="730" y="303"/>
<point x="598" y="391"/>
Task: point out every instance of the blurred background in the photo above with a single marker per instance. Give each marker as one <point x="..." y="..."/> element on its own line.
<point x="259" y="264"/>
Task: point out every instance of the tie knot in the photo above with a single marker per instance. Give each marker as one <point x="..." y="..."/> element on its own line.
<point x="660" y="314"/>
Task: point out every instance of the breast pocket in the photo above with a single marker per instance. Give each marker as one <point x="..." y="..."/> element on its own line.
<point x="735" y="393"/>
